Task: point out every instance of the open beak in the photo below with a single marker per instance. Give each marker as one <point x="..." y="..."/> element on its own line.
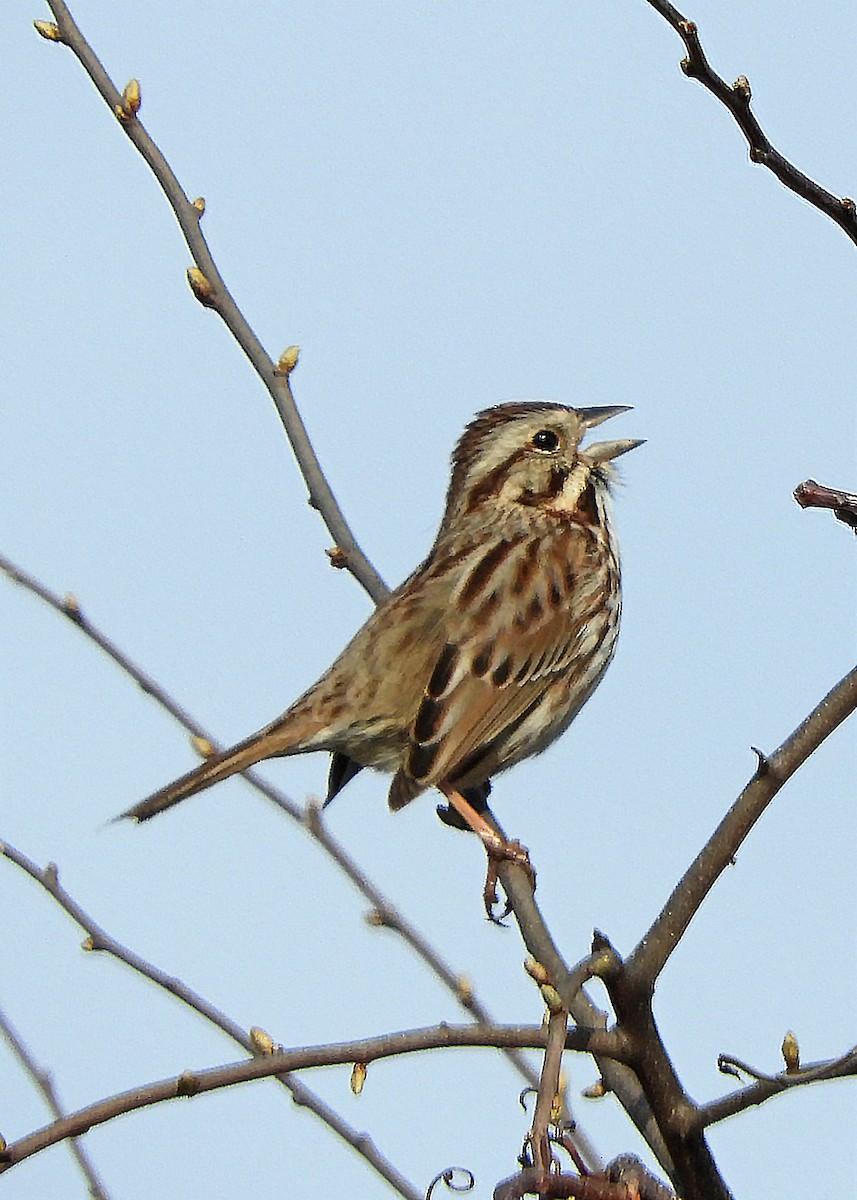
<point x="601" y="452"/>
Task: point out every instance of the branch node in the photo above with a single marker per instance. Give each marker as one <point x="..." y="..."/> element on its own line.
<point x="537" y="971"/>
<point x="203" y="746"/>
<point x="201" y="287"/>
<point x="763" y="764"/>
<point x="848" y="204"/>
<point x="552" y="998"/>
<point x="262" y="1042"/>
<point x="791" y="1053"/>
<point x="605" y="963"/>
<point x="741" y="88"/>
<point x="71" y="607"/>
<point x="187" y="1084"/>
<point x="312" y="815"/>
<point x="464" y="989"/>
<point x="287" y="361"/>
<point x="338" y="557"/>
<point x="129" y="105"/>
<point x="49" y="30"/>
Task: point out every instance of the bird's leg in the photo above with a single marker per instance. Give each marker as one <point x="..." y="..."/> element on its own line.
<point x="498" y="849"/>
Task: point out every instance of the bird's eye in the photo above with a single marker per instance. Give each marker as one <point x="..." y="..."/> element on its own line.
<point x="545" y="439"/>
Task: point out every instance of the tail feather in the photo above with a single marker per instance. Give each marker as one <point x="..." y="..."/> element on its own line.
<point x="218" y="766"/>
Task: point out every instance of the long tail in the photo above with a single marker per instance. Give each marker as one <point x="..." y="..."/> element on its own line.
<point x="219" y="766"/>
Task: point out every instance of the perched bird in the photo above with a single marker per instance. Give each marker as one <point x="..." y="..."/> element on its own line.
<point x="491" y="647"/>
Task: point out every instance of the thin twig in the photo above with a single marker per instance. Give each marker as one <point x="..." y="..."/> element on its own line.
<point x="617" y="1077"/>
<point x="548" y="1095"/>
<point x="654" y="949"/>
<point x="218" y="297"/>
<point x="45" y="1085"/>
<point x="99" y="939"/>
<point x="284" y="1062"/>
<point x="736" y="98"/>
<point x="766" y="1086"/>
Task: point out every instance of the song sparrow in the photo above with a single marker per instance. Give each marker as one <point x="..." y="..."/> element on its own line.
<point x="487" y="652"/>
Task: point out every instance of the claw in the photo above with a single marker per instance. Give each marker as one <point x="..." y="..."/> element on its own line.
<point x="501" y="851"/>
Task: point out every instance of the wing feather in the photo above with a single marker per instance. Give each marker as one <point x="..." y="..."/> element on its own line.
<point x="499" y="659"/>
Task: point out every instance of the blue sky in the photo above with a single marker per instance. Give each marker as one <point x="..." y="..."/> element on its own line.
<point x="444" y="209"/>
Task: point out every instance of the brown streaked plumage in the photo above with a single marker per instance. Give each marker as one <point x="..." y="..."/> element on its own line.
<point x="488" y="651"/>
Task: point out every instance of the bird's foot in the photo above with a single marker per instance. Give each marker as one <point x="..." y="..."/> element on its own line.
<point x="498" y="851"/>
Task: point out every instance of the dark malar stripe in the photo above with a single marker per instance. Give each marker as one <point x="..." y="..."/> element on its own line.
<point x="587" y="505"/>
<point x="555" y="484"/>
<point x="491" y="484"/>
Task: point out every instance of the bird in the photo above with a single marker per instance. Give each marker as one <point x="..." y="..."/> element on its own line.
<point x="489" y="649"/>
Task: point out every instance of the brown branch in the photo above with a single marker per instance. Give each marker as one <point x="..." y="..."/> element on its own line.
<point x="45" y="1085"/>
<point x="766" y="1086"/>
<point x="810" y="494"/>
<point x="213" y="293"/>
<point x="736" y="98"/>
<point x="630" y="984"/>
<point x="383" y="911"/>
<point x="99" y="939"/>
<point x="653" y="951"/>
<point x="284" y="1062"/>
<point x="548" y="1091"/>
<point x="651" y="1092"/>
<point x="617" y="1077"/>
<point x="624" y="1179"/>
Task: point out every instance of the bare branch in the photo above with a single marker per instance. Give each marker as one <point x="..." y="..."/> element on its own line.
<point x="617" y="1077"/>
<point x="653" y="951"/>
<point x="810" y="494"/>
<point x="285" y="1061"/>
<point x="766" y="1086"/>
<point x="548" y="1096"/>
<point x="618" y="1182"/>
<point x="736" y="98"/>
<point x="212" y="291"/>
<point x="99" y="939"/>
<point x="45" y="1085"/>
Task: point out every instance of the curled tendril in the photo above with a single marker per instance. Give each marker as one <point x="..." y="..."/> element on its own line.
<point x="525" y="1093"/>
<point x="448" y="1177"/>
